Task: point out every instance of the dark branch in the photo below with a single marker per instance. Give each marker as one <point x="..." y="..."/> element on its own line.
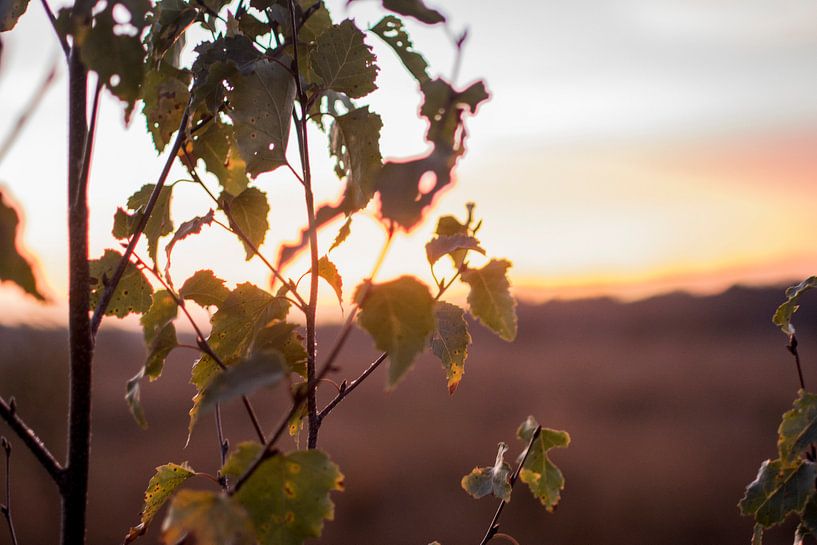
<point x="53" y="20"/>
<point x="6" y="508"/>
<point x="8" y="411"/>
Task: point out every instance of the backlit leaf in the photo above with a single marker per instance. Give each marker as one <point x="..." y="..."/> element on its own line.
<point x="204" y="288"/>
<point x="217" y="61"/>
<point x="399" y="186"/>
<point x="490" y="480"/>
<point x="355" y="144"/>
<point x="449" y="244"/>
<point x="544" y="479"/>
<point x="10" y="11"/>
<point x="215" y="145"/>
<point x="133" y="398"/>
<point x="284" y="338"/>
<point x="392" y="31"/>
<point x="416" y="9"/>
<point x="490" y="298"/>
<point x="159" y="224"/>
<point x="287" y="498"/>
<point x="159" y="331"/>
<point x="214" y="519"/>
<point x="248" y="213"/>
<point x="167" y="479"/>
<point x="343" y="233"/>
<point x="798" y="430"/>
<point x="189" y="227"/>
<point x="783" y="314"/>
<point x="343" y="62"/>
<point x="445" y="107"/>
<point x="450" y="341"/>
<point x="165" y="95"/>
<point x="262" y="368"/>
<point x="778" y="491"/>
<point x="399" y="315"/>
<point x="13" y="266"/>
<point x="171" y="18"/>
<point x="132" y="294"/>
<point x="328" y="271"/>
<point x="261" y="109"/>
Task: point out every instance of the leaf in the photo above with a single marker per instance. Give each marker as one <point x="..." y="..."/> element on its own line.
<point x="399" y="315"/>
<point x="798" y="430"/>
<point x="261" y="109"/>
<point x="399" y="186"/>
<point x="248" y="213"/>
<point x="283" y="337"/>
<point x="450" y="244"/>
<point x="343" y="233"/>
<point x="171" y="19"/>
<point x="319" y="22"/>
<point x="445" y="108"/>
<point x="158" y="225"/>
<point x="10" y="12"/>
<point x="216" y="146"/>
<point x="13" y="266"/>
<point x="287" y="498"/>
<point x="167" y="479"/>
<point x="391" y="30"/>
<point x="133" y="294"/>
<point x="205" y="289"/>
<point x="342" y="61"/>
<point x="544" y="479"/>
<point x="190" y="227"/>
<point x="217" y="61"/>
<point x="490" y="298"/>
<point x="778" y="491"/>
<point x="783" y="314"/>
<point x="263" y="368"/>
<point x="416" y="9"/>
<point x="329" y="272"/>
<point x="214" y="519"/>
<point x="490" y="480"/>
<point x="133" y="398"/>
<point x="159" y="332"/>
<point x="448" y="226"/>
<point x="165" y="96"/>
<point x="116" y="57"/>
<point x="450" y="341"/>
<point x="355" y="144"/>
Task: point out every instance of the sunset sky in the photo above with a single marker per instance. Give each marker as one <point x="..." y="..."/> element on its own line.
<point x="629" y="148"/>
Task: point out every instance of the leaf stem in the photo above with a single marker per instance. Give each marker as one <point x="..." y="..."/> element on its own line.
<point x="53" y="20"/>
<point x="8" y="411"/>
<point x="493" y="528"/>
<point x="6" y="508"/>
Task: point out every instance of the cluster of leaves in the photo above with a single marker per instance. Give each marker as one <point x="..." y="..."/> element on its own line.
<point x="785" y="486"/>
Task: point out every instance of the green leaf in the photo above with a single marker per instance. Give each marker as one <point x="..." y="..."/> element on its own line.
<point x="798" y="430"/>
<point x="159" y="224"/>
<point x="217" y="61"/>
<point x="116" y="57"/>
<point x="261" y="109"/>
<point x="490" y="480"/>
<point x="216" y="146"/>
<point x="159" y="332"/>
<point x="165" y="96"/>
<point x="263" y="368"/>
<point x="544" y="479"/>
<point x="343" y="62"/>
<point x="355" y="144"/>
<point x="287" y="498"/>
<point x="391" y="30"/>
<point x="283" y="337"/>
<point x="10" y="11"/>
<point x="171" y="19"/>
<point x="783" y="315"/>
<point x="13" y="266"/>
<point x="450" y="341"/>
<point x="190" y="227"/>
<point x="399" y="315"/>
<point x="167" y="479"/>
<point x="205" y="289"/>
<point x="329" y="272"/>
<point x="490" y="298"/>
<point x="133" y="397"/>
<point x="214" y="519"/>
<point x="399" y="185"/>
<point x="778" y="491"/>
<point x="449" y="226"/>
<point x="133" y="294"/>
<point x="451" y="244"/>
<point x="248" y="212"/>
<point x="416" y="9"/>
<point x="319" y="22"/>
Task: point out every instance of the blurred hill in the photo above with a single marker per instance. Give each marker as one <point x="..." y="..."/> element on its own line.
<point x="672" y="403"/>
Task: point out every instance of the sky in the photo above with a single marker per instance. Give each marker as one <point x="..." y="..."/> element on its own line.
<point x="629" y="148"/>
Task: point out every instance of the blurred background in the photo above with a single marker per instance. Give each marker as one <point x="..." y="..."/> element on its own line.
<point x="637" y="160"/>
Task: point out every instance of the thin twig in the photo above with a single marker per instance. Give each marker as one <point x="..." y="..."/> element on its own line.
<point x="792" y="348"/>
<point x="28" y="111"/>
<point x="8" y="411"/>
<point x="223" y="445"/>
<point x="66" y="49"/>
<point x="493" y="528"/>
<point x="6" y="508"/>
<point x="107" y="295"/>
<point x="202" y="343"/>
<point x="90" y="136"/>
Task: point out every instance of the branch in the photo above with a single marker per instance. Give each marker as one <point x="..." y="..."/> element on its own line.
<point x="105" y="300"/>
<point x="53" y="20"/>
<point x="9" y="413"/>
<point x="493" y="528"/>
<point x="6" y="508"/>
